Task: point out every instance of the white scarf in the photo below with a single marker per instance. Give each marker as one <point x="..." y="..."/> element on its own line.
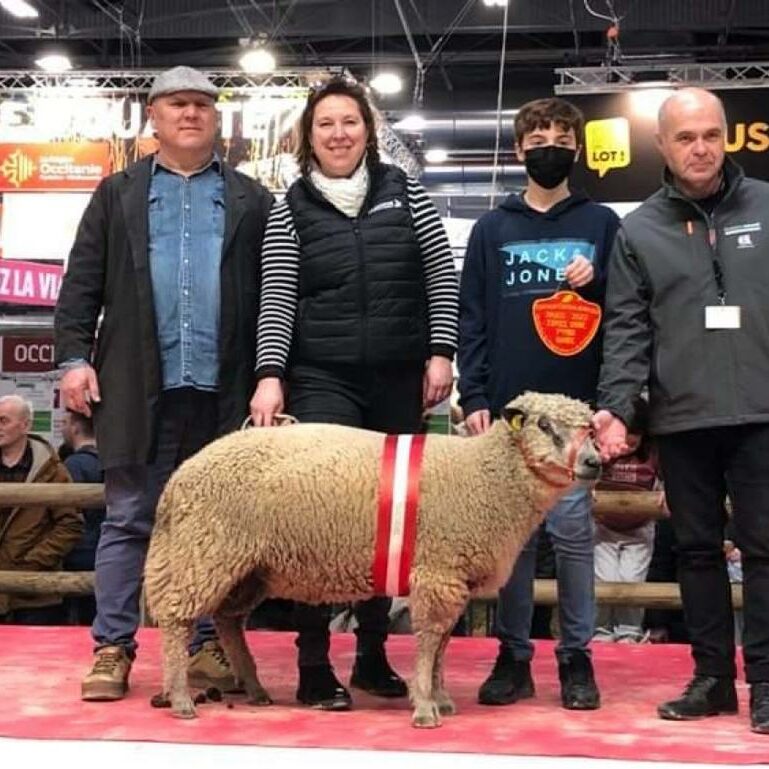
<point x="345" y="193"/>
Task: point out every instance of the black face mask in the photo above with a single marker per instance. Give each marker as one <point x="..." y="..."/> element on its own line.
<point x="549" y="166"/>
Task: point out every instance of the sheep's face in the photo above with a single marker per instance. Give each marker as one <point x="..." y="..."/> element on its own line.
<point x="555" y="436"/>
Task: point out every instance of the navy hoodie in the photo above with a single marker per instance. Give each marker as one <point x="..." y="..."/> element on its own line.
<point x="516" y="255"/>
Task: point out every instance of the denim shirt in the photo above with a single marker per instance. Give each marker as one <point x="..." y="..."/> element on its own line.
<point x="186" y="230"/>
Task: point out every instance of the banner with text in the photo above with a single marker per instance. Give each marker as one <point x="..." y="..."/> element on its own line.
<point x="30" y="283"/>
<point x="27" y="354"/>
<point x="56" y="166"/>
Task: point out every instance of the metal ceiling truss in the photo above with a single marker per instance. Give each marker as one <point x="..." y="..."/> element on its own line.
<point x="289" y="83"/>
<point x="612" y="78"/>
<point x="139" y="81"/>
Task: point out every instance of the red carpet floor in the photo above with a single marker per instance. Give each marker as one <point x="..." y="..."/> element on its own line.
<point x="40" y="671"/>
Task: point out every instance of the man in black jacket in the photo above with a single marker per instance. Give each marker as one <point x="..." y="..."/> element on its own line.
<point x="169" y="251"/>
<point x="687" y="314"/>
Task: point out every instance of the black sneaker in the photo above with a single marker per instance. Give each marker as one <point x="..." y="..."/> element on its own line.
<point x="510" y="681"/>
<point x="578" y="687"/>
<point x="372" y="673"/>
<point x="759" y="707"/>
<point x="319" y="688"/>
<point x="703" y="696"/>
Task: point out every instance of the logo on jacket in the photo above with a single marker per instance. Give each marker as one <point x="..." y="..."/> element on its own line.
<point x="743" y="233"/>
<point x="538" y="265"/>
<point x="385" y="206"/>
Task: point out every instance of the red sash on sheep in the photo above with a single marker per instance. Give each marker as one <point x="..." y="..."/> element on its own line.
<point x="396" y="530"/>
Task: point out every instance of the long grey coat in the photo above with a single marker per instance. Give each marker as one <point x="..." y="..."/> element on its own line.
<point x="109" y="270"/>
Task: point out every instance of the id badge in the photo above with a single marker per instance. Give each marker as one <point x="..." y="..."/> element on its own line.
<point x="720" y="316"/>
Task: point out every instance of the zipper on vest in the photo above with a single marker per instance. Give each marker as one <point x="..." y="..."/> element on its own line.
<point x="361" y="288"/>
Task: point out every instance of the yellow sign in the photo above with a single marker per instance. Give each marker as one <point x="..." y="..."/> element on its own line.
<point x="607" y="143"/>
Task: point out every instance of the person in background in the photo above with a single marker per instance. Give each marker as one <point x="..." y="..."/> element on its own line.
<point x="84" y="466"/>
<point x="624" y="541"/>
<point x="358" y="322"/>
<point x="32" y="537"/>
<point x="166" y="265"/>
<point x="526" y="249"/>
<point x="687" y="316"/>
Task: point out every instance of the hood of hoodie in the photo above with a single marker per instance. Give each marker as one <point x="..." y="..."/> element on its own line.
<point x="516" y="204"/>
<point x="43" y="454"/>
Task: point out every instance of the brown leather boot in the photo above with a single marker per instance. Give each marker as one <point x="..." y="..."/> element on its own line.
<point x="108" y="678"/>
<point x="209" y="667"/>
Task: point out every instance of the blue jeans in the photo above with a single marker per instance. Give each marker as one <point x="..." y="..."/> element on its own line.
<point x="186" y="422"/>
<point x="570" y="525"/>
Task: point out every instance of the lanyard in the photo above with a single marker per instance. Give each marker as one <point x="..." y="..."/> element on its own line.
<point x="718" y="272"/>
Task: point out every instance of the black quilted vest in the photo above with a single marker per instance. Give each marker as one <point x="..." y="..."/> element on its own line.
<point x="362" y="293"/>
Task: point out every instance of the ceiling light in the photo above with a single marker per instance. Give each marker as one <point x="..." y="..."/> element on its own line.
<point x="386" y="83"/>
<point x="436" y="156"/>
<point x="20" y="9"/>
<point x="495" y="3"/>
<point x="257" y="61"/>
<point x="413" y="123"/>
<point x="54" y="62"/>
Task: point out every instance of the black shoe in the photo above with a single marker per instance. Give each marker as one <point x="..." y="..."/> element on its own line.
<point x="759" y="707"/>
<point x="578" y="687"/>
<point x="703" y="696"/>
<point x="319" y="688"/>
<point x="510" y="681"/>
<point x="372" y="673"/>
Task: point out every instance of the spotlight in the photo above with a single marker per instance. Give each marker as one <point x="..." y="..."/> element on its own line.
<point x="54" y="62"/>
<point x="257" y="61"/>
<point x="20" y="9"/>
<point x="387" y="83"/>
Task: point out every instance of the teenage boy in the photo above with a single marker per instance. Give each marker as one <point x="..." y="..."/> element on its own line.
<point x="520" y="331"/>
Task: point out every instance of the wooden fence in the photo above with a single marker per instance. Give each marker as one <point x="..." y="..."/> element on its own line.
<point x="663" y="595"/>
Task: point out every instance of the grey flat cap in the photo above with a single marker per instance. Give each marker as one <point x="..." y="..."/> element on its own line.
<point x="181" y="79"/>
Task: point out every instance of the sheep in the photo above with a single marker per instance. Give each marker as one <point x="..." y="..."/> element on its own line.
<point x="292" y="513"/>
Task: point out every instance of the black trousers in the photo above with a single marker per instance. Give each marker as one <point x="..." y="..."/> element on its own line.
<point x="383" y="399"/>
<point x="700" y="468"/>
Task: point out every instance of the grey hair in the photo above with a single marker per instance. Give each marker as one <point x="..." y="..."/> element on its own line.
<point x="25" y="406"/>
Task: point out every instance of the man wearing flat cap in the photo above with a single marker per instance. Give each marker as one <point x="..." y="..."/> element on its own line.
<point x="167" y="253"/>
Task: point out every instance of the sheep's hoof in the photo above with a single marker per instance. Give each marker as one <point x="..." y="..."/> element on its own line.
<point x="160" y="700"/>
<point x="426" y="717"/>
<point x="446" y="706"/>
<point x="185" y="710"/>
<point x="259" y="698"/>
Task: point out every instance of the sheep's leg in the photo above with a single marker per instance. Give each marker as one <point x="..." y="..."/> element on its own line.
<point x="233" y="640"/>
<point x="439" y="694"/>
<point x="426" y="713"/>
<point x="436" y="603"/>
<point x="176" y="637"/>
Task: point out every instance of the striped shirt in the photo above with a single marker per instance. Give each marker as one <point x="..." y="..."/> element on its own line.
<point x="280" y="281"/>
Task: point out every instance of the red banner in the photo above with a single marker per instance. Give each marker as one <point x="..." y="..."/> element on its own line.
<point x="30" y="283"/>
<point x="396" y="530"/>
<point x="27" y="353"/>
<point x="73" y="166"/>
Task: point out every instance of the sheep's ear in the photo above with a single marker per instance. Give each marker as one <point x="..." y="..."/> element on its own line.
<point x="514" y="418"/>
